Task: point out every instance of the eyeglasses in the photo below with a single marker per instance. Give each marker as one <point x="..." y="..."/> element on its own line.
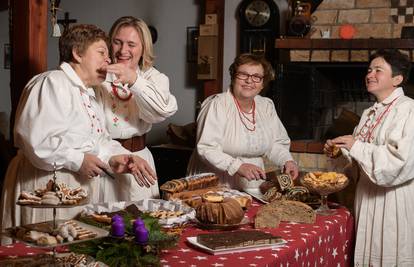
<point x="244" y="76"/>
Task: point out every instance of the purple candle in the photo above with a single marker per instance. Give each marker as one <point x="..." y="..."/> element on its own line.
<point x="117" y="218"/>
<point x="137" y="223"/>
<point x="141" y="234"/>
<point x="118" y="229"/>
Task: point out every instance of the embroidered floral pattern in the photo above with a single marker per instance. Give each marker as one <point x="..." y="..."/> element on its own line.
<point x="95" y="121"/>
<point x="119" y="109"/>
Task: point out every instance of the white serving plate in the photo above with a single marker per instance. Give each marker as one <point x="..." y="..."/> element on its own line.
<point x="193" y="240"/>
<point x="99" y="233"/>
<point x="255" y="192"/>
<point x="223" y="227"/>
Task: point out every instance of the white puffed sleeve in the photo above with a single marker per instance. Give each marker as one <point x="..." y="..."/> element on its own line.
<point x="211" y="124"/>
<point x="278" y="151"/>
<point x="390" y="162"/>
<point x="153" y="97"/>
<point x="43" y="121"/>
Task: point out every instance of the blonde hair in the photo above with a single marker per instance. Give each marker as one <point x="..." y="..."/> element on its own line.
<point x="147" y="59"/>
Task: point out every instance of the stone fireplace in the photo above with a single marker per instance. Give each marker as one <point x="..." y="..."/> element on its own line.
<point x="320" y="79"/>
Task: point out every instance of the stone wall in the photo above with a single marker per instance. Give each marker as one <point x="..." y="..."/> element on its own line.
<point x="370" y="18"/>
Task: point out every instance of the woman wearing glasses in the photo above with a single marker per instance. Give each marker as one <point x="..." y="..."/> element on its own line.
<point x="236" y="128"/>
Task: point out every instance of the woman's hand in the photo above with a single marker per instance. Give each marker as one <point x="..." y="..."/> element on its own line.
<point x="345" y="141"/>
<point x="328" y="148"/>
<point x="251" y="172"/>
<point x="124" y="74"/>
<point x="291" y="168"/>
<point x="91" y="166"/>
<point x="137" y="166"/>
<point x="142" y="171"/>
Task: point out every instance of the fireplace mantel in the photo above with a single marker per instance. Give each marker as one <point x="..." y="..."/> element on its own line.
<point x="341" y="44"/>
<point x="336" y="50"/>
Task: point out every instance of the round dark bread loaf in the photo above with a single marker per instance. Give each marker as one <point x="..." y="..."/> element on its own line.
<point x="227" y="211"/>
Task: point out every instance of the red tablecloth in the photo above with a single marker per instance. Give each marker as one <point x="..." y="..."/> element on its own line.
<point x="328" y="242"/>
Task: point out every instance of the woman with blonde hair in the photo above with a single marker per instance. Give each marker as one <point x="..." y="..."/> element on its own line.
<point x="134" y="96"/>
<point x="60" y="128"/>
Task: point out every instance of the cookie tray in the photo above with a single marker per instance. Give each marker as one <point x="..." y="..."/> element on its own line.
<point x="9" y="232"/>
<point x="83" y="202"/>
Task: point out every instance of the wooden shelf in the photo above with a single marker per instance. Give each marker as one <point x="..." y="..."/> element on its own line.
<point x="341" y="44"/>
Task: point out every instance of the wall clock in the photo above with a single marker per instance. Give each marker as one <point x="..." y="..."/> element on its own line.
<point x="257" y="13"/>
<point x="258" y="27"/>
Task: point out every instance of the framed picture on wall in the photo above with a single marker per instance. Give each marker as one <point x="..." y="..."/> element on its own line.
<point x="7" y="56"/>
<point x="192" y="43"/>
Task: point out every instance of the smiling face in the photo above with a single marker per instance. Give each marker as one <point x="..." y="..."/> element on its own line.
<point x="379" y="80"/>
<point x="244" y="88"/>
<point x="91" y="64"/>
<point x="127" y="47"/>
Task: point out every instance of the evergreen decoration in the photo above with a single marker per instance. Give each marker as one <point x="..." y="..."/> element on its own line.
<point x="125" y="252"/>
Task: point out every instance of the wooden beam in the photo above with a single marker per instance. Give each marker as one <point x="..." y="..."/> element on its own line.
<point x="29" y="46"/>
<point x="211" y="87"/>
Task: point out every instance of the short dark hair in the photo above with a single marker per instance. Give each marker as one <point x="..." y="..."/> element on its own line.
<point x="254" y="59"/>
<point x="399" y="62"/>
<point x="79" y="37"/>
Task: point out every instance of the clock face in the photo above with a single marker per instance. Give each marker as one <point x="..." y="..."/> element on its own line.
<point x="257" y="13"/>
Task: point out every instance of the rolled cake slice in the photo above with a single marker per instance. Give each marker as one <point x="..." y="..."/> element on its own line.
<point x="285" y="181"/>
<point x="299" y="193"/>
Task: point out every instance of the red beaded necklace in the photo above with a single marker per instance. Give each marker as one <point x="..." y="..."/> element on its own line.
<point x="366" y="131"/>
<point x="242" y="115"/>
<point x="115" y="91"/>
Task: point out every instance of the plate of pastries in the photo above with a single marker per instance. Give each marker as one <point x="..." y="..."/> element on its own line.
<point x="216" y="206"/>
<point x="52" y="234"/>
<point x="325" y="183"/>
<point x="54" y="195"/>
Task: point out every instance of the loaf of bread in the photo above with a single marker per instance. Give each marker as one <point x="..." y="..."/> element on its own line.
<point x="188" y="183"/>
<point x="267" y="218"/>
<point x="284" y="210"/>
<point x="190" y="194"/>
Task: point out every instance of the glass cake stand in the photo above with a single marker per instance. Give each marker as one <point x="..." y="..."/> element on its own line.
<point x="54" y="222"/>
<point x="324" y="191"/>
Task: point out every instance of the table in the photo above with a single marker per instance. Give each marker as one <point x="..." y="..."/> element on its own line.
<point x="328" y="242"/>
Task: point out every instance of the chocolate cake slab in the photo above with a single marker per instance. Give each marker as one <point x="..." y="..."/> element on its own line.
<point x="236" y="239"/>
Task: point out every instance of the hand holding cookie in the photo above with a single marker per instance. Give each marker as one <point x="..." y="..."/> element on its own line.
<point x="331" y="149"/>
